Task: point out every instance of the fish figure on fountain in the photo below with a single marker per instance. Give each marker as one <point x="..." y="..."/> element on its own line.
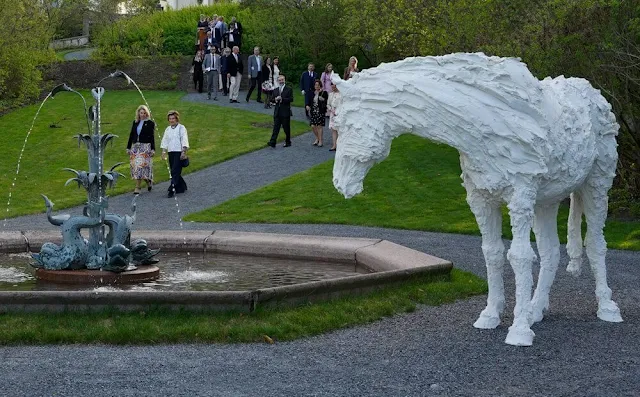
<point x="114" y="251"/>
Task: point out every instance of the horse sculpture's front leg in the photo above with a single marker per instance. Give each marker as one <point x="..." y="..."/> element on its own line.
<point x="489" y="217"/>
<point x="521" y="257"/>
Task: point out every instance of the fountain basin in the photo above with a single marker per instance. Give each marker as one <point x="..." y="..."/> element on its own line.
<point x="384" y="262"/>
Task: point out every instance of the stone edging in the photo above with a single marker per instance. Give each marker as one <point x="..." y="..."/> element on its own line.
<point x="388" y="262"/>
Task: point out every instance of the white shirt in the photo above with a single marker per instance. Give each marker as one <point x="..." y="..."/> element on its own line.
<point x="175" y="138"/>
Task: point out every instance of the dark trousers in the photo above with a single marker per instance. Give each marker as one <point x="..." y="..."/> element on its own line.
<point x="285" y="122"/>
<point x="225" y="84"/>
<point x="255" y="81"/>
<point x="198" y="81"/>
<point x="177" y="182"/>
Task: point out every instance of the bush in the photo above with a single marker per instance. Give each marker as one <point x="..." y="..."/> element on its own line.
<point x="160" y="33"/>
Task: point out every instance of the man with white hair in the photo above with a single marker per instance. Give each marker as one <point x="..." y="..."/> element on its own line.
<point x="234" y="73"/>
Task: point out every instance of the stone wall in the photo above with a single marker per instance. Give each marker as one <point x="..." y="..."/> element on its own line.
<point x="70" y="42"/>
<point x="150" y="73"/>
<point x="158" y="73"/>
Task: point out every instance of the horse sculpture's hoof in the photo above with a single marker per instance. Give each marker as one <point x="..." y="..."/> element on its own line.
<point x="575" y="267"/>
<point x="609" y="312"/>
<point x="536" y="313"/>
<point x="519" y="336"/>
<point x="487" y="321"/>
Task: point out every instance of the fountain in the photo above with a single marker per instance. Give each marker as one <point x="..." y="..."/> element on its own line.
<point x="242" y="275"/>
<point x="110" y="257"/>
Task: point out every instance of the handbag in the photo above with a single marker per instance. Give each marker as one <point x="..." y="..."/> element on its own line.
<point x="267" y="87"/>
<point x="184" y="163"/>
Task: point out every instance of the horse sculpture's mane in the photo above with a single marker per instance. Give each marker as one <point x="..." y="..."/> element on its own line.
<point x="481" y="105"/>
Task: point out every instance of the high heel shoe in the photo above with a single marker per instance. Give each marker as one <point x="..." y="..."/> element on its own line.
<point x="149" y="186"/>
<point x="315" y="143"/>
<point x="136" y="191"/>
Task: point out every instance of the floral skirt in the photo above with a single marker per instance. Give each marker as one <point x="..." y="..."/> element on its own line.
<point x="141" y="162"/>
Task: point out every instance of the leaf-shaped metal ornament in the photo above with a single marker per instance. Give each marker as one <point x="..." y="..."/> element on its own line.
<point x="106" y="138"/>
<point x="73" y="179"/>
<point x="72" y="170"/>
<point x="116" y="165"/>
<point x="92" y="177"/>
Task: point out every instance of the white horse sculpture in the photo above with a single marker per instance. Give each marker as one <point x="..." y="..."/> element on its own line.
<point x="522" y="141"/>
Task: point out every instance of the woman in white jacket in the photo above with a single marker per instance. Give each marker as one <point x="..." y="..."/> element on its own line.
<point x="175" y="143"/>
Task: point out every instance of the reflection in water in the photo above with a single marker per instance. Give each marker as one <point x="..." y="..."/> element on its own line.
<point x="211" y="272"/>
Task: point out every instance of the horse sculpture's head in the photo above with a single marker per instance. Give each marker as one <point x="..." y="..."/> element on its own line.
<point x="363" y="138"/>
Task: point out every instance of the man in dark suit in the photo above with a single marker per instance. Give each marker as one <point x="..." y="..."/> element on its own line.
<point x="306" y="83"/>
<point x="234" y="74"/>
<point x="282" y="97"/>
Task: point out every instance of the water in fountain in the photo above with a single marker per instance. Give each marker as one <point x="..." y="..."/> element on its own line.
<point x="61" y="87"/>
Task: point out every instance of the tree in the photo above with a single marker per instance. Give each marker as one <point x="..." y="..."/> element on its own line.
<point x="24" y="41"/>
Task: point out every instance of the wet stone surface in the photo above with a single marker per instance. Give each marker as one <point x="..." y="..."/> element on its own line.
<point x="191" y="272"/>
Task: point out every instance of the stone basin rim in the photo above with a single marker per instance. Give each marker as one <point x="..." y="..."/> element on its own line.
<point x="387" y="262"/>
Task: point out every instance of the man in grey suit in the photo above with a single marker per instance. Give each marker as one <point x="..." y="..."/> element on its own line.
<point x="211" y="67"/>
<point x="255" y="72"/>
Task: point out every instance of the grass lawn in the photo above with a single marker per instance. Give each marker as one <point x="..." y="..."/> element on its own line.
<point x="279" y="323"/>
<point x="417" y="187"/>
<point x="216" y="134"/>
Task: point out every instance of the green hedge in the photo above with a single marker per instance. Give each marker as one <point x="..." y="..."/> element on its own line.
<point x="170" y="32"/>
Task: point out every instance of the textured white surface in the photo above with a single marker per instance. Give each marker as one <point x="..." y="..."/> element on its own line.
<point x="522" y="141"/>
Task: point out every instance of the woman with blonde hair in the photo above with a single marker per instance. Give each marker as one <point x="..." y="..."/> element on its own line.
<point x="352" y="69"/>
<point x="325" y="78"/>
<point x="175" y="143"/>
<point x="141" y="147"/>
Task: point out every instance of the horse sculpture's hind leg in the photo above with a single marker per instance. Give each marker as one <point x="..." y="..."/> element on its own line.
<point x="574" y="235"/>
<point x="521" y="257"/>
<point x="545" y="226"/>
<point x="595" y="203"/>
<point x="489" y="220"/>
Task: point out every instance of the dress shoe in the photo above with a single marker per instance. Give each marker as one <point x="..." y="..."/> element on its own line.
<point x="273" y="145"/>
<point x="332" y="150"/>
<point x="136" y="191"/>
<point x="247" y="100"/>
<point x="259" y="101"/>
<point x="287" y="144"/>
<point x="170" y="194"/>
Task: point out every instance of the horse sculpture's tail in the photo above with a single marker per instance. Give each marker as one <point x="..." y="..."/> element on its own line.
<point x="574" y="235"/>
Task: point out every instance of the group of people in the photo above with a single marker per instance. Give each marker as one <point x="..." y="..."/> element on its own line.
<point x="141" y="149"/>
<point x="322" y="98"/>
<point x="217" y="56"/>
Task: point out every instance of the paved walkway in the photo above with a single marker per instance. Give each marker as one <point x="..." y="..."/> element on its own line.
<point x="433" y="351"/>
<point x="79" y="55"/>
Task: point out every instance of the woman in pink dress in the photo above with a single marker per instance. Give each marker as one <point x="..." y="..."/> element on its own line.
<point x="325" y="78"/>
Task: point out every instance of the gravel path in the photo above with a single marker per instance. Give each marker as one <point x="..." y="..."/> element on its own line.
<point x="430" y="352"/>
